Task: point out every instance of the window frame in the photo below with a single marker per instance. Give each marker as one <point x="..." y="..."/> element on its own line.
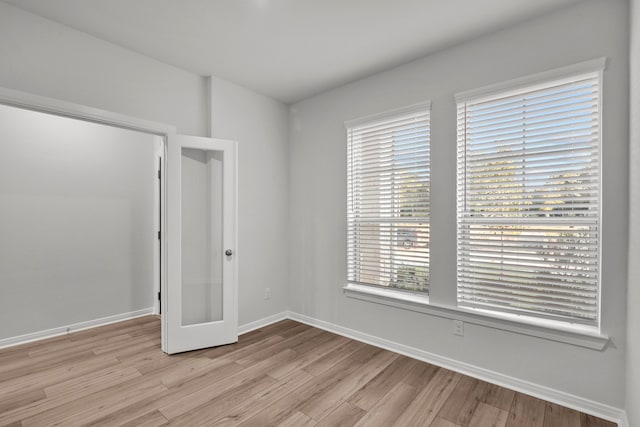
<point x="381" y="118"/>
<point x="523" y="85"/>
<point x="446" y="308"/>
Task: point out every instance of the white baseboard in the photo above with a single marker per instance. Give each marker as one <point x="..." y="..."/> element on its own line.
<point x="62" y="330"/>
<point x="624" y="422"/>
<point x="260" y="323"/>
<point x="556" y="396"/>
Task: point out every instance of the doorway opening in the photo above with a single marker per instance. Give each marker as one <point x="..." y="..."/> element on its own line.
<point x="92" y="241"/>
<point x="80" y="217"/>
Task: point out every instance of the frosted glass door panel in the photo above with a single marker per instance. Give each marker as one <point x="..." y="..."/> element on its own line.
<point x="202" y="251"/>
<point x="201" y="294"/>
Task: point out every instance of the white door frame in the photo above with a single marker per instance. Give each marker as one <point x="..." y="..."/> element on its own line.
<point x="43" y="104"/>
<point x="71" y="110"/>
<point x="159" y="215"/>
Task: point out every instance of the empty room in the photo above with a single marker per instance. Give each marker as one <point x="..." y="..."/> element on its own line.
<point x="320" y="213"/>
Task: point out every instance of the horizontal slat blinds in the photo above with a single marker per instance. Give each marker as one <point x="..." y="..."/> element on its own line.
<point x="528" y="200"/>
<point x="388" y="201"/>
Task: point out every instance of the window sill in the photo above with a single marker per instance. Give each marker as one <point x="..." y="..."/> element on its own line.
<point x="570" y="334"/>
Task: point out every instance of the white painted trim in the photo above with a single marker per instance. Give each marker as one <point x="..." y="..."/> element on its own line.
<point x="81" y="112"/>
<point x="385" y="115"/>
<point x="67" y="109"/>
<point x="579" y="336"/>
<point x="624" y="421"/>
<point x="62" y="330"/>
<point x="261" y="323"/>
<point x="158" y="216"/>
<point x="556" y="396"/>
<point x="594" y="65"/>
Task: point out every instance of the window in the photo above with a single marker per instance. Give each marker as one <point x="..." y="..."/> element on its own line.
<point x="388" y="199"/>
<point x="528" y="209"/>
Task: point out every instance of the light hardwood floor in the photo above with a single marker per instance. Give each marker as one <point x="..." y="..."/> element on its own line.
<point x="286" y="374"/>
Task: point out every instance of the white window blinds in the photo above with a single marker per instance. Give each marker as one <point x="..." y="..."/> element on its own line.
<point x="529" y="200"/>
<point x="388" y="172"/>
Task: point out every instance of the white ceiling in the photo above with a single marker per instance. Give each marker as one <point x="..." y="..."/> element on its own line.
<point x="288" y="49"/>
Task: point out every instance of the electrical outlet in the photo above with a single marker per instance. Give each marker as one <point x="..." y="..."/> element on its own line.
<point x="267" y="293"/>
<point x="458" y="328"/>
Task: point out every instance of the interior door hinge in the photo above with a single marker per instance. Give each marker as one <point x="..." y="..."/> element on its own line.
<point x="158" y="173"/>
<point x="158" y="235"/>
<point x="158" y="295"/>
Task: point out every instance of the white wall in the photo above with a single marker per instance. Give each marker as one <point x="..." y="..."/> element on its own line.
<point x="318" y="197"/>
<point x="633" y="297"/>
<point x="260" y="125"/>
<point x="45" y="58"/>
<point x="76" y="221"/>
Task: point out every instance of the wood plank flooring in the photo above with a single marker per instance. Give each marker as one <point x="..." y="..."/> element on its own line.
<point x="285" y="374"/>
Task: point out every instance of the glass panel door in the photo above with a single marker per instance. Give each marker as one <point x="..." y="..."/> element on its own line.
<point x="201" y="233"/>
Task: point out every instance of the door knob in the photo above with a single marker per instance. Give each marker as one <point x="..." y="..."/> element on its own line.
<point x="228" y="252"/>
